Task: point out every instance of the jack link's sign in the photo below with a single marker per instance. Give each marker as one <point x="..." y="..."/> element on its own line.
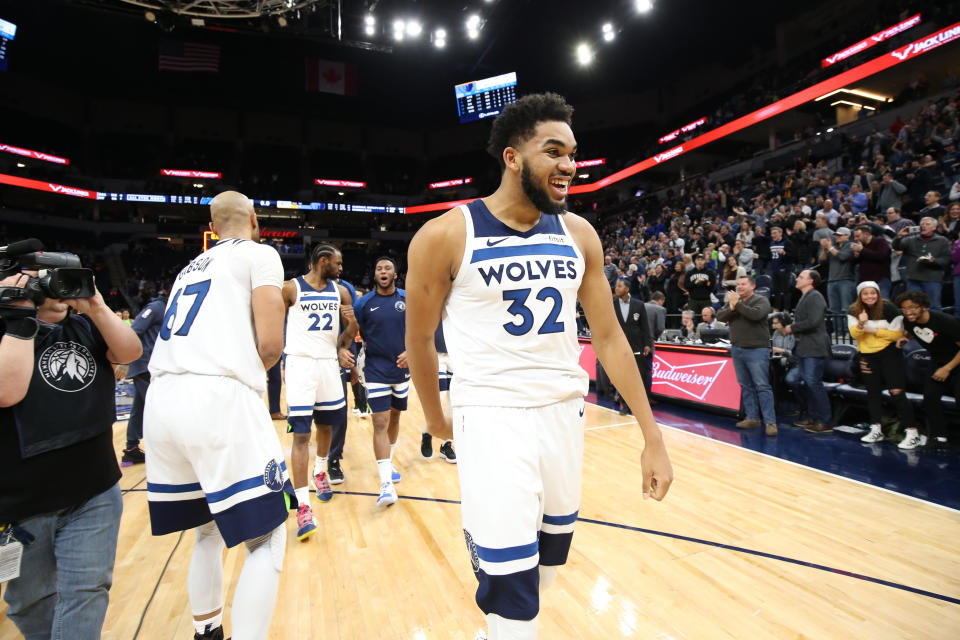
<point x="704" y="378"/>
<point x="873" y="40"/>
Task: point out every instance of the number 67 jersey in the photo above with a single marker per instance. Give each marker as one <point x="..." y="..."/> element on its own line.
<point x="510" y="318"/>
<point x="208" y="324"/>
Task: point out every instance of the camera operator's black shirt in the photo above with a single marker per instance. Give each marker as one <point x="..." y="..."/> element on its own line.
<point x="63" y="477"/>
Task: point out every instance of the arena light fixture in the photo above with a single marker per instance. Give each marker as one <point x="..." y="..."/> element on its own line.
<point x="473" y="34"/>
<point x="414" y="28"/>
<point x="584" y="54"/>
<point x="370" y="30"/>
<point x="644" y="6"/>
<point x="608" y="36"/>
<point x="857" y="92"/>
<point x="369" y="20"/>
<point x="473" y="22"/>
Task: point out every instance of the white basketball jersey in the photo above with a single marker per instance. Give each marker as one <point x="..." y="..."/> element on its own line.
<point x="510" y="319"/>
<point x="208" y="324"/>
<point x="313" y="321"/>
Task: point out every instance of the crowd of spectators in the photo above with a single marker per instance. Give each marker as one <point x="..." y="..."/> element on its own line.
<point x="886" y="209"/>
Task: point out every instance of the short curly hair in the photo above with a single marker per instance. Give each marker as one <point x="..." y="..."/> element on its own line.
<point x="519" y="120"/>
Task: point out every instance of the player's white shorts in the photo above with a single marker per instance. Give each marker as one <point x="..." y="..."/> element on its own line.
<point x="314" y="389"/>
<point x="520" y="478"/>
<point x="383" y="396"/>
<point x="445" y="373"/>
<point x="213" y="451"/>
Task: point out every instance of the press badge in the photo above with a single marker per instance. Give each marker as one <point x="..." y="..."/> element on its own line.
<point x="11" y="553"/>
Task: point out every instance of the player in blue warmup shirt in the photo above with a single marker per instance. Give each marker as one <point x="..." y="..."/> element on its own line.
<point x="381" y="315"/>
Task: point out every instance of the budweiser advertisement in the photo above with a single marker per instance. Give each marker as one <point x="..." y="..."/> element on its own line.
<point x="36" y="155"/>
<point x="190" y="173"/>
<point x="873" y="40"/>
<point x="699" y="375"/>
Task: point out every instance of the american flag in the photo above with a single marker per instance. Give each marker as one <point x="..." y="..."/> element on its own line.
<point x="189" y="56"/>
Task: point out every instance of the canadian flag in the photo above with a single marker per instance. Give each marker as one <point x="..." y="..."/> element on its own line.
<point x="329" y="76"/>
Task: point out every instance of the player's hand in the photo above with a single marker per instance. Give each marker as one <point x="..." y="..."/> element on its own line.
<point x="442" y="429"/>
<point x="402" y="361"/>
<point x="941" y="374"/>
<point x="354" y="375"/>
<point x="346" y="358"/>
<point x="657" y="471"/>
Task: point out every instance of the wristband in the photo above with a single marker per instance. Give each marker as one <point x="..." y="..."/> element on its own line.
<point x="22" y="328"/>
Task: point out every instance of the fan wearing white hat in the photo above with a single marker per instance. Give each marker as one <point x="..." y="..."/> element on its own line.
<point x="876" y="325"/>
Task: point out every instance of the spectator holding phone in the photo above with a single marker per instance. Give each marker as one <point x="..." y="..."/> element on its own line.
<point x="927" y="255"/>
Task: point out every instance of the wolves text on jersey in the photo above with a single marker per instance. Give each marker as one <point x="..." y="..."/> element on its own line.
<point x="320" y="306"/>
<point x="529" y="270"/>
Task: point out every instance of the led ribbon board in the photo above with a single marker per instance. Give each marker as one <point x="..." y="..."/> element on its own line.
<point x="873" y="40"/>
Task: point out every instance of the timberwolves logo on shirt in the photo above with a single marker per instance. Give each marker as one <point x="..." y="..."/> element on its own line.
<point x="272" y="477"/>
<point x="67" y="366"/>
<point x="472" y="550"/>
<point x="400" y="305"/>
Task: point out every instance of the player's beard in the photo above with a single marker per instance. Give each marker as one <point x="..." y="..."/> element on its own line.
<point x="538" y="196"/>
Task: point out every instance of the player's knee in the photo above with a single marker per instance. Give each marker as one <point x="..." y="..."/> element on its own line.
<point x="515" y="596"/>
<point x="274" y="543"/>
<point x="301" y="439"/>
<point x="208" y="535"/>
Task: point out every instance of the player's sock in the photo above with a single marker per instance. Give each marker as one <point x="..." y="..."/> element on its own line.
<point x="205" y="579"/>
<point x="206" y="626"/>
<point x="319" y="464"/>
<point x="303" y="495"/>
<point x="504" y="629"/>
<point x="392" y="447"/>
<point x="385" y="470"/>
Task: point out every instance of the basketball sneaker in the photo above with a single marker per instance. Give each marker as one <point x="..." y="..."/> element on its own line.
<point x="213" y="634"/>
<point x="426" y="445"/>
<point x="388" y="495"/>
<point x="324" y="493"/>
<point x="874" y="435"/>
<point x="911" y="441"/>
<point x="395" y="476"/>
<point x="306" y="523"/>
<point x="132" y="456"/>
<point x="334" y="472"/>
<point x="447" y="453"/>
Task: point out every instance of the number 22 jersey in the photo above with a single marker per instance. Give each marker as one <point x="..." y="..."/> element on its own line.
<point x="208" y="323"/>
<point x="510" y="318"/>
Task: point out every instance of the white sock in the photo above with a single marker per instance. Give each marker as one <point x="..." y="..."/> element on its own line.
<point x="319" y="464"/>
<point x="392" y="447"/>
<point x="385" y="469"/>
<point x="205" y="580"/>
<point x="503" y="629"/>
<point x="303" y="495"/>
<point x="256" y="594"/>
<point x="547" y="576"/>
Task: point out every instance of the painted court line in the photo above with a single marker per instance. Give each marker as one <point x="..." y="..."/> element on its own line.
<point x="609" y="426"/>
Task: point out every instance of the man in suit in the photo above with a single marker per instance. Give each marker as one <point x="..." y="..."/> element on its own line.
<point x="632" y="315"/>
<point x="709" y="321"/>
<point x="812" y="350"/>
<point x="656" y="315"/>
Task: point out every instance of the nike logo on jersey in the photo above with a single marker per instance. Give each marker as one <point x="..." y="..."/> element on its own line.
<point x="491" y="243"/>
<point x="581" y="411"/>
<point x="374" y="308"/>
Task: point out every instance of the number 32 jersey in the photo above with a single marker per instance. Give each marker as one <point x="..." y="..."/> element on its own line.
<point x="510" y="318"/>
<point x="208" y="323"/>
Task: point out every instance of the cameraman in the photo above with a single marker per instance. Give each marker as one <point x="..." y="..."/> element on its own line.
<point x="58" y="493"/>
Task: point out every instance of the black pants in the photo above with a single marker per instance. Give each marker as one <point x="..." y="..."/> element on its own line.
<point x="339" y="436"/>
<point x="886" y="371"/>
<point x="645" y="364"/>
<point x="933" y="391"/>
<point x="135" y="422"/>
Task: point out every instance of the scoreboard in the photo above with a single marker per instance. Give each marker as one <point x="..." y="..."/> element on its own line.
<point x="485" y="98"/>
<point x="7" y="32"/>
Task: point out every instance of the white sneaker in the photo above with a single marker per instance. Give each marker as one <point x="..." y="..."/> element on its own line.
<point x="874" y="435"/>
<point x="388" y="495"/>
<point x="911" y="442"/>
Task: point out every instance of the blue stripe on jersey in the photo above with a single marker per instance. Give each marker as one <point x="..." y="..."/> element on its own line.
<point x="486" y="225"/>
<point x="154" y="487"/>
<point x="302" y="407"/>
<point x="507" y="554"/>
<point x="568" y="519"/>
<point x="550" y="249"/>
<point x="237" y="487"/>
<point x="308" y="298"/>
<point x="327" y="404"/>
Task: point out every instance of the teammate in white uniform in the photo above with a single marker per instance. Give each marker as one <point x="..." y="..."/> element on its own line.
<point x="315" y="349"/>
<point x="505" y="273"/>
<point x="215" y="460"/>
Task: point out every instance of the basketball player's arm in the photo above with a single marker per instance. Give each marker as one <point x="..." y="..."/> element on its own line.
<point x="430" y="265"/>
<point x="616" y="356"/>
<point x="269" y="312"/>
<point x="350" y="331"/>
<point x="289" y="292"/>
